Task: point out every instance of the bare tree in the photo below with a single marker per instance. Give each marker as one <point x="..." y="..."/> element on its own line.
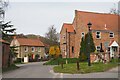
<point x="114" y="10"/>
<point x="3" y="5"/>
<point x="52" y="34"/>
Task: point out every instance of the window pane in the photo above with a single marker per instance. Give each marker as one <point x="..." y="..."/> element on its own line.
<point x="111" y="35"/>
<point x="33" y="49"/>
<point x="97" y="36"/>
<point x="98" y="32"/>
<point x="72" y="49"/>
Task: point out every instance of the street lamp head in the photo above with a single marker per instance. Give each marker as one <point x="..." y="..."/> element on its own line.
<point x="89" y="25"/>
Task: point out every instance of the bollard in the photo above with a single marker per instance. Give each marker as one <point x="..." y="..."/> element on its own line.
<point x="78" y="65"/>
<point x="62" y="65"/>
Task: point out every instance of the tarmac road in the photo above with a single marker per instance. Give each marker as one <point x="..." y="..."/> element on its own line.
<point x="38" y="70"/>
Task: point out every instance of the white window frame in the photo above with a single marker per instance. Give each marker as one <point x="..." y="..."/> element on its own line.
<point x="33" y="49"/>
<point x="112" y="34"/>
<point x="98" y="34"/>
<point x="39" y="49"/>
<point x="26" y="49"/>
<point x="97" y="48"/>
<point x="82" y="34"/>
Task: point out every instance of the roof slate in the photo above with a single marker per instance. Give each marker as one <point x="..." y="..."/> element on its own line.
<point x="69" y="27"/>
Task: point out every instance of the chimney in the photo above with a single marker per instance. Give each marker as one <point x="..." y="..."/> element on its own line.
<point x="105" y="27"/>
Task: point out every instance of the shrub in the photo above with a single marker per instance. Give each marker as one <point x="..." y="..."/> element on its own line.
<point x="59" y="60"/>
<point x="83" y="57"/>
<point x="37" y="57"/>
<point x="54" y="51"/>
<point x="18" y="60"/>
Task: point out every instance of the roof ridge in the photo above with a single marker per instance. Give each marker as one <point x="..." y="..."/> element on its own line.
<point x="29" y="38"/>
<point x="68" y="23"/>
<point x="96" y="13"/>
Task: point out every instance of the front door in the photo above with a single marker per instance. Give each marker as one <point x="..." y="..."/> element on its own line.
<point x="114" y="50"/>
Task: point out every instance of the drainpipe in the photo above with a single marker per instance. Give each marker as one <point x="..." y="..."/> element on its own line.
<point x="69" y="45"/>
<point x="66" y="42"/>
<point x="66" y="47"/>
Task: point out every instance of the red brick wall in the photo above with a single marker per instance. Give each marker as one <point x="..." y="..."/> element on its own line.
<point x="5" y="54"/>
<point x="62" y="41"/>
<point x="70" y="42"/>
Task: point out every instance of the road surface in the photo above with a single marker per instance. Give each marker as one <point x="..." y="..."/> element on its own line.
<point x="37" y="70"/>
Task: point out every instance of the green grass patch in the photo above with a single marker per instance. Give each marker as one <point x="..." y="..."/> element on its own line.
<point x="59" y="60"/>
<point x="84" y="68"/>
<point x="12" y="67"/>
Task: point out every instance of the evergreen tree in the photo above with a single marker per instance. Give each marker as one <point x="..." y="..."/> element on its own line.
<point x="89" y="43"/>
<point x="82" y="44"/>
<point x="6" y="29"/>
<point x="83" y="55"/>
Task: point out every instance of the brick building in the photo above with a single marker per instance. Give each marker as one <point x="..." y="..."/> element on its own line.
<point x="104" y="30"/>
<point x="27" y="47"/>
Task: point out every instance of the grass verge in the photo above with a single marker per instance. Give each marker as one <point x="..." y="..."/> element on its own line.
<point x="84" y="68"/>
<point x="59" y="60"/>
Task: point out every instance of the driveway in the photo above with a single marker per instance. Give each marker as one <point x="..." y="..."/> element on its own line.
<point x="37" y="70"/>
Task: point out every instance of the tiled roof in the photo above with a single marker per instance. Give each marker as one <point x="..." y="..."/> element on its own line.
<point x="111" y="42"/>
<point x="3" y="41"/>
<point x="100" y="21"/>
<point x="29" y="42"/>
<point x="69" y="27"/>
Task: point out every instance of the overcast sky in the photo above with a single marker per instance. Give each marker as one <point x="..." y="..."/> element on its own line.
<point x="35" y="17"/>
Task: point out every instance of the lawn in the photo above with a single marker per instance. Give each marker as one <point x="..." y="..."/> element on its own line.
<point x="84" y="68"/>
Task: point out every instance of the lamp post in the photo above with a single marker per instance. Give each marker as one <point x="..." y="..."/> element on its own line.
<point x="89" y="31"/>
<point x="66" y="53"/>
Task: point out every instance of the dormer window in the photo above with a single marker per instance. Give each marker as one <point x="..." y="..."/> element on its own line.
<point x="82" y="34"/>
<point x="111" y="35"/>
<point x="98" y="34"/>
